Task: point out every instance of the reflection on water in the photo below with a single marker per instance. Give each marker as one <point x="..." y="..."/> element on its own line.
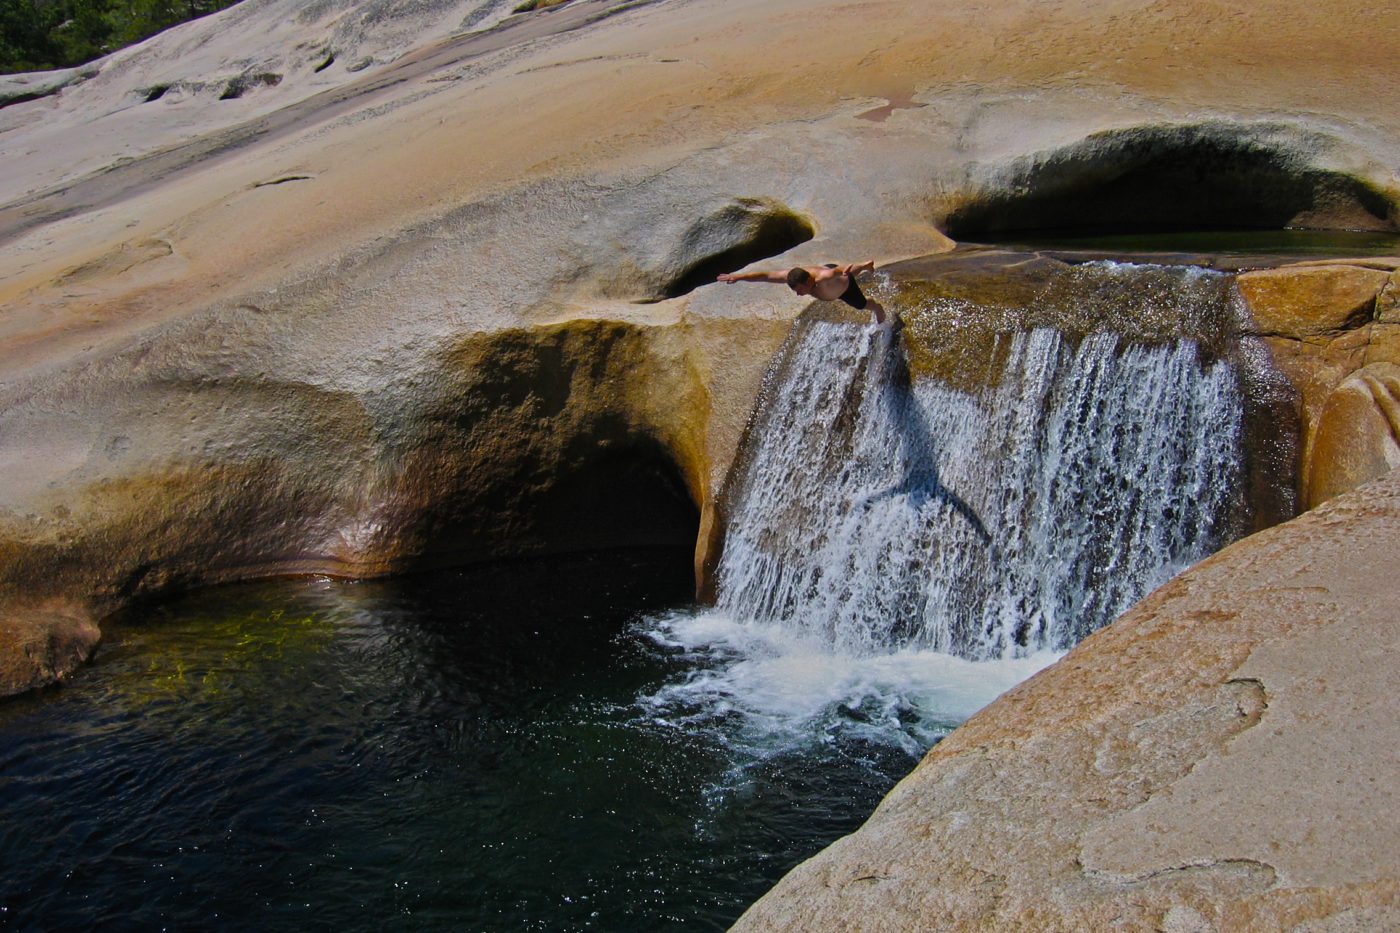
<point x="1294" y="244"/>
<point x="498" y="749"/>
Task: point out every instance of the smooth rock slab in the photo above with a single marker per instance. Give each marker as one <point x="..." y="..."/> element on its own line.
<point x="1307" y="301"/>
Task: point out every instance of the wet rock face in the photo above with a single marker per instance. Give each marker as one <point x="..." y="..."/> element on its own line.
<point x="44" y="643"/>
<point x="958" y="308"/>
<point x="1323" y="416"/>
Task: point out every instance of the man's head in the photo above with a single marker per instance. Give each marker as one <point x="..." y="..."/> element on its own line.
<point x="800" y="281"/>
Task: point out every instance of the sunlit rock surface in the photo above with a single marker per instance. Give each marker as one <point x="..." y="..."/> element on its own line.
<point x="1329" y="326"/>
<point x="332" y="288"/>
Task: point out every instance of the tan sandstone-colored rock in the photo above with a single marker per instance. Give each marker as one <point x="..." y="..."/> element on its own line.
<point x="1388" y="302"/>
<point x="228" y="323"/>
<point x="418" y="302"/>
<point x="1308" y="301"/>
<point x="1357" y="436"/>
<point x="1221" y="758"/>
<point x="1326" y="324"/>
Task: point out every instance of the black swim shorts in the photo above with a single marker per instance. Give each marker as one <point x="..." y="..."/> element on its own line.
<point x="853" y="296"/>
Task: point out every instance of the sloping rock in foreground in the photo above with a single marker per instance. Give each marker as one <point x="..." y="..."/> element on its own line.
<point x="1221" y="758"/>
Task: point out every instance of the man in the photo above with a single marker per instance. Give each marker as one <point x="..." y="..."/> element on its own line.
<point x="827" y="283"/>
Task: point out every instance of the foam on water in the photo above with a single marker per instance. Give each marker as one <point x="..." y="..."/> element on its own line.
<point x="763" y="691"/>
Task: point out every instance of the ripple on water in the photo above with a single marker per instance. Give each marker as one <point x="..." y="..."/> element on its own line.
<point x="551" y="745"/>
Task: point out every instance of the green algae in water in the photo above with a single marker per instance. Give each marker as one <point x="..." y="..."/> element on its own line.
<point x="454" y="751"/>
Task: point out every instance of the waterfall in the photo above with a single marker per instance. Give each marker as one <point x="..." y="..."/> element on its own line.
<point x="886" y="514"/>
<point x="899" y="551"/>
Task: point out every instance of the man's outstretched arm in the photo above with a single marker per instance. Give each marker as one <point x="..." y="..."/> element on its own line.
<point x="776" y="276"/>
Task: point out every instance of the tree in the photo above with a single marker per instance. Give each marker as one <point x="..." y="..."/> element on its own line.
<point x="36" y="35"/>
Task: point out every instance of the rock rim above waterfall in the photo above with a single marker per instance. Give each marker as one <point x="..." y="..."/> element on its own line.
<point x="1330" y="328"/>
<point x="432" y="288"/>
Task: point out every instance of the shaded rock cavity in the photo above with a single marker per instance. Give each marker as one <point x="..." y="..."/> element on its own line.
<point x="524" y="442"/>
<point x="542" y="448"/>
<point x="242" y="84"/>
<point x="1161" y="178"/>
<point x="725" y="240"/>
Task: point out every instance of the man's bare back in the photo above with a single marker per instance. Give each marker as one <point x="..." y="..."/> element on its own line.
<point x="826" y="283"/>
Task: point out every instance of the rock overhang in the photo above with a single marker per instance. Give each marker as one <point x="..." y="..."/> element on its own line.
<point x="1180" y="176"/>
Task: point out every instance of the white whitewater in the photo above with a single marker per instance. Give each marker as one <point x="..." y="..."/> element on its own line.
<point x="983" y="526"/>
<point x="898" y="555"/>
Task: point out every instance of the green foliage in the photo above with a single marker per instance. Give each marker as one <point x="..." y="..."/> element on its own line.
<point x="36" y="35"/>
<point x="529" y="6"/>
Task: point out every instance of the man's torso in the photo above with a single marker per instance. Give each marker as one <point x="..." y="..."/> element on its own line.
<point x="830" y="284"/>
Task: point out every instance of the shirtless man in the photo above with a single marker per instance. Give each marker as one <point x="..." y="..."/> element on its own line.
<point x="828" y="283"/>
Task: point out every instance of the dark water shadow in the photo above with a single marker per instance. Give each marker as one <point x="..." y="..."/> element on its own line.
<point x="920" y="482"/>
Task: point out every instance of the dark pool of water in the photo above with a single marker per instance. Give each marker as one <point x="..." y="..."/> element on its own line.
<point x="1266" y="245"/>
<point x="456" y="751"/>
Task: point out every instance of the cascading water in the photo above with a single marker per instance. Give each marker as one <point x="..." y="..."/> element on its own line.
<point x="900" y="551"/>
<point x="887" y="515"/>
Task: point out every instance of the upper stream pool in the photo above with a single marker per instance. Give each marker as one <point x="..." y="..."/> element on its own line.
<point x="1233" y="247"/>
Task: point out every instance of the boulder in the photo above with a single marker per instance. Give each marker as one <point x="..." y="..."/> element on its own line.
<point x="1357" y="436"/>
<point x="1388" y="302"/>
<point x="1301" y="301"/>
<point x="1329" y="329"/>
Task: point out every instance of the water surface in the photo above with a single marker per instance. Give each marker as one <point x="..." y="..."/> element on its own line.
<point x="568" y="743"/>
<point x="1279" y="245"/>
<point x="562" y="744"/>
